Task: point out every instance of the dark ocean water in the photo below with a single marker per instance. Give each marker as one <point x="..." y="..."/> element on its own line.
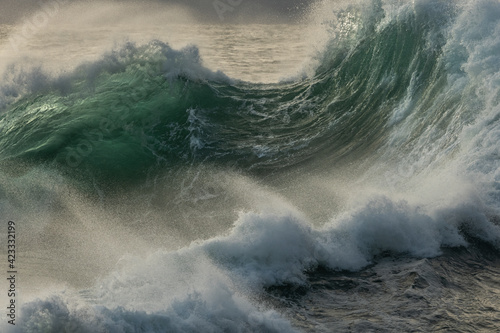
<point x="155" y="194"/>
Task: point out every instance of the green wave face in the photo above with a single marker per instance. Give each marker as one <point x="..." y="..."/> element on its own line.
<point x="143" y="108"/>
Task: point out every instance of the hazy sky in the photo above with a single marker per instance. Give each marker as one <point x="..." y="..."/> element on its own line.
<point x="15" y="10"/>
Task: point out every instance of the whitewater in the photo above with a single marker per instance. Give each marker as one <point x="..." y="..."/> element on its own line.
<point x="341" y="173"/>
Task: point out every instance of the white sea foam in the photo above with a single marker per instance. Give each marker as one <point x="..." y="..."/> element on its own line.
<point x="209" y="285"/>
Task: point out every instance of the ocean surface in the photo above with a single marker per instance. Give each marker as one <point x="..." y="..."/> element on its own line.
<point x="338" y="174"/>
